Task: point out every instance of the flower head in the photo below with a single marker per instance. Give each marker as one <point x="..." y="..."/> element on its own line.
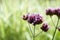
<point x="33" y="18"/>
<point x="58" y="12"/>
<point x="38" y="19"/>
<point x="45" y="27"/>
<point x="25" y="17"/>
<point x="50" y="12"/>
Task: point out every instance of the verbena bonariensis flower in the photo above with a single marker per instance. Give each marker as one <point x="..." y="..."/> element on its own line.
<point x="45" y="27"/>
<point x="50" y="12"/>
<point x="53" y="12"/>
<point x="38" y="19"/>
<point x="33" y="18"/>
<point x="57" y="12"/>
<point x="25" y="17"/>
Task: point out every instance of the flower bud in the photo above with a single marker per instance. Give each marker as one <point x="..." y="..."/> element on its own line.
<point x="38" y="19"/>
<point x="31" y="18"/>
<point x="45" y="27"/>
<point x="50" y="12"/>
<point x="25" y="17"/>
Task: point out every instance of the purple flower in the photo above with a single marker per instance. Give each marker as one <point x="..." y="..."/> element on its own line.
<point x="31" y="18"/>
<point x="50" y="12"/>
<point x="58" y="13"/>
<point x="38" y="19"/>
<point x="53" y="12"/>
<point x="25" y="17"/>
<point x="45" y="27"/>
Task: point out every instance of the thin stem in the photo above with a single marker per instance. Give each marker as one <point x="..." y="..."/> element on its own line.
<point x="52" y="20"/>
<point x="30" y="28"/>
<point x="55" y="29"/>
<point x="38" y="34"/>
<point x="34" y="34"/>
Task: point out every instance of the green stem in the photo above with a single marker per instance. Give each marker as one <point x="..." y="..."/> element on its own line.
<point x="34" y="34"/>
<point x="38" y="34"/>
<point x="52" y="20"/>
<point x="30" y="28"/>
<point x="55" y="29"/>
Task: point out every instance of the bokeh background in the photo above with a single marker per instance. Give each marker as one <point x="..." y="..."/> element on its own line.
<point x="13" y="27"/>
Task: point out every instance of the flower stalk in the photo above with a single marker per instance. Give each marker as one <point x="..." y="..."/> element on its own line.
<point x="55" y="29"/>
<point x="34" y="34"/>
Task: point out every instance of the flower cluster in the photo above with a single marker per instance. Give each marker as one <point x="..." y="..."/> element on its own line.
<point x="33" y="18"/>
<point x="25" y="17"/>
<point x="36" y="19"/>
<point x="53" y="12"/>
<point x="45" y="27"/>
<point x="49" y="12"/>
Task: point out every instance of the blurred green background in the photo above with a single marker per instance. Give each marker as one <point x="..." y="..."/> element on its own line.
<point x="13" y="27"/>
